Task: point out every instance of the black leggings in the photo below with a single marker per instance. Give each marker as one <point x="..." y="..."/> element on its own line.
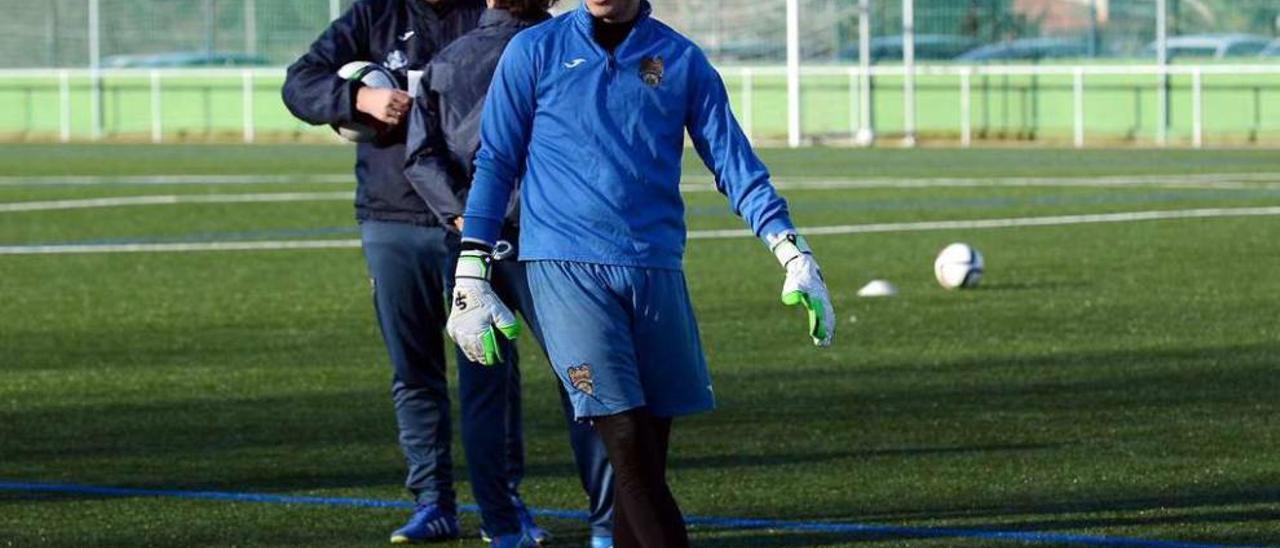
<point x="645" y="514"/>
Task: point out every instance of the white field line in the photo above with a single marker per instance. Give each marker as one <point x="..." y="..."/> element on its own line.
<point x="90" y="180"/>
<point x="179" y="247"/>
<point x="1213" y="181"/>
<point x="693" y="184"/>
<point x="1247" y="181"/>
<point x="175" y="199"/>
<point x="1056" y="220"/>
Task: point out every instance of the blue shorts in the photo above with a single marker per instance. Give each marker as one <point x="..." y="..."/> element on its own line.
<point x="621" y="337"/>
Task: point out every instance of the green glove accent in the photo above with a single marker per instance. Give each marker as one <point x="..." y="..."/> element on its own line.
<point x="814" y="308"/>
<point x="492" y="352"/>
<point x="512" y="331"/>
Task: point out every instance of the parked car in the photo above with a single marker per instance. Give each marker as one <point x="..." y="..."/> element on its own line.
<point x="1272" y="50"/>
<point x="928" y="47"/>
<point x="1029" y="49"/>
<point x="185" y="59"/>
<point x="1213" y="46"/>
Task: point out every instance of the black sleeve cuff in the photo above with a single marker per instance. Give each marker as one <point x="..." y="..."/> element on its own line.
<point x="472" y="245"/>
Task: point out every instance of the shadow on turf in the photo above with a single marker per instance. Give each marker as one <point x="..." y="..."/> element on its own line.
<point x="1035" y="524"/>
<point x="1226" y="516"/>
<point x="1020" y="286"/>
<point x="253" y="444"/>
<point x="766" y="460"/>
<point x="781" y="539"/>
<point x="1185" y="501"/>
<point x="1073" y="515"/>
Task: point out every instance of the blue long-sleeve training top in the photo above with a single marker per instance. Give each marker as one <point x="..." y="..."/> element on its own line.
<point x="597" y="140"/>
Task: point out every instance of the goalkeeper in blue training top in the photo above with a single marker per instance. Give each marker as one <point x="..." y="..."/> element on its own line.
<point x="589" y="111"/>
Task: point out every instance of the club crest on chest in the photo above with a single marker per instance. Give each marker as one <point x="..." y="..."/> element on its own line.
<point x="651" y="71"/>
<point x="396" y="60"/>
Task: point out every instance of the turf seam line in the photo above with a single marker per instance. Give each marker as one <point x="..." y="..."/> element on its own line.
<point x="1011" y="222"/>
<point x="1202" y="181"/>
<point x="1172" y="192"/>
<point x="172" y="199"/>
<point x="919" y="226"/>
<point x="92" y="180"/>
<point x="264" y="245"/>
<point x="709" y="521"/>
<point x="695" y="183"/>
<point x="1223" y="182"/>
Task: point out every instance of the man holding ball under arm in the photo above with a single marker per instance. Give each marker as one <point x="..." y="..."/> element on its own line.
<point x="409" y="253"/>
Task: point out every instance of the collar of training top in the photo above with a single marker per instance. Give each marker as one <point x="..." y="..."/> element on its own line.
<point x="433" y="10"/>
<point x="503" y="18"/>
<point x="586" y="22"/>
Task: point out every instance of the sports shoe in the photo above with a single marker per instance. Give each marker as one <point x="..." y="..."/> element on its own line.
<point x="522" y="540"/>
<point x="527" y="525"/>
<point x="601" y="542"/>
<point x="428" y="524"/>
<point x="538" y="534"/>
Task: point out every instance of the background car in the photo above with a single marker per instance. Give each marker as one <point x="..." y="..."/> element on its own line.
<point x="1272" y="50"/>
<point x="928" y="47"/>
<point x="1213" y="46"/>
<point x="185" y="59"/>
<point x="1030" y="49"/>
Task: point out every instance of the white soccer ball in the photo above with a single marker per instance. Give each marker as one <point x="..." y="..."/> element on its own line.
<point x="373" y="75"/>
<point x="958" y="266"/>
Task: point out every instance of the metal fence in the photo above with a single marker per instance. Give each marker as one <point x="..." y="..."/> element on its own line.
<point x="1075" y="71"/>
<point x="1069" y="104"/>
<point x="60" y="33"/>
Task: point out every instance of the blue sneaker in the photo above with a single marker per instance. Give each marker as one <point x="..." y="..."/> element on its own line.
<point x="527" y="525"/>
<point x="522" y="540"/>
<point x="601" y="542"/>
<point x="531" y="529"/>
<point x="428" y="524"/>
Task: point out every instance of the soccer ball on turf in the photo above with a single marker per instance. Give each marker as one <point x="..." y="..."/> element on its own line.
<point x="958" y="266"/>
<point x="373" y="75"/>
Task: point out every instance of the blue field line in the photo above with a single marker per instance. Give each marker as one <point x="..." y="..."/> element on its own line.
<point x="714" y="522"/>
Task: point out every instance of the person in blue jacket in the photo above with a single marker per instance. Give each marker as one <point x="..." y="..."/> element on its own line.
<point x="410" y="254"/>
<point x="589" y="113"/>
<point x="443" y="136"/>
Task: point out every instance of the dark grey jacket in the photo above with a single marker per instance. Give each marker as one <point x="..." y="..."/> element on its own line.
<point x="402" y="35"/>
<point x="444" y="128"/>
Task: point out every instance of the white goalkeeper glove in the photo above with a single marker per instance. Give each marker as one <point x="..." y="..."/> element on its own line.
<point x="478" y="315"/>
<point x="804" y="285"/>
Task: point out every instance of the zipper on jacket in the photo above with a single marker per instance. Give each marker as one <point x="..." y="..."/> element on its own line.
<point x="611" y="57"/>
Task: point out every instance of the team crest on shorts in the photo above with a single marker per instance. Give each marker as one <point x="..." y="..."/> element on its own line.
<point x="651" y="69"/>
<point x="580" y="378"/>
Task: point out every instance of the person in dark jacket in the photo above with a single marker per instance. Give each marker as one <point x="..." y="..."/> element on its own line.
<point x="444" y="134"/>
<point x="410" y="256"/>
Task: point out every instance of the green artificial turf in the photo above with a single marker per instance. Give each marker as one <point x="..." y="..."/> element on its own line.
<point x="1116" y="380"/>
